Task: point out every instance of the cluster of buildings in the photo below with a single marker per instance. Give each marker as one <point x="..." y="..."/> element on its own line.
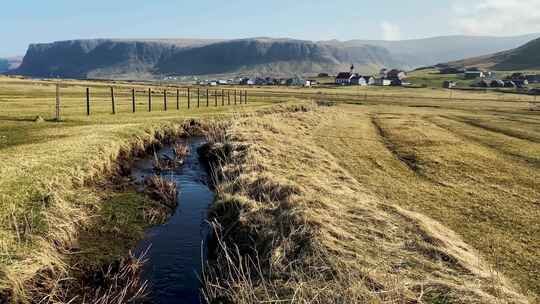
<point x="489" y="79"/>
<point x="260" y="81"/>
<point x="386" y="77"/>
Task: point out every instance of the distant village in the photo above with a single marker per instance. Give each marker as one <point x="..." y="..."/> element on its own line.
<point x="386" y="77"/>
<point x="472" y="77"/>
<point x="489" y="79"/>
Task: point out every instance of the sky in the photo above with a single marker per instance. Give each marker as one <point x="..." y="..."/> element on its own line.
<point x="37" y="21"/>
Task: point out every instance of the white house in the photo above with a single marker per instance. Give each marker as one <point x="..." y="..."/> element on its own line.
<point x="383" y="82"/>
<point x="358" y="80"/>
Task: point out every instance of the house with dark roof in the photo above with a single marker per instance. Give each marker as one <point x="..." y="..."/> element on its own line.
<point x="344" y="78"/>
<point x="396" y="74"/>
<point x="370" y="80"/>
<point x="358" y="80"/>
<point x="532" y="78"/>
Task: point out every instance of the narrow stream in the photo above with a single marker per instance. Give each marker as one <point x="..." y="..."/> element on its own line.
<point x="176" y="251"/>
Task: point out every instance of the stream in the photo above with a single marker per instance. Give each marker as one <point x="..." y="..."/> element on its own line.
<point x="176" y="250"/>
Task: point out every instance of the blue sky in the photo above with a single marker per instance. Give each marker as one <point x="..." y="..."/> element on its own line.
<point x="30" y="21"/>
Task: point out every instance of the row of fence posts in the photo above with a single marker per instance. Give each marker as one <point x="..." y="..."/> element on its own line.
<point x="238" y="97"/>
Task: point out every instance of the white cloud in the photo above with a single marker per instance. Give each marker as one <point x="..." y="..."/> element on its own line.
<point x="496" y="17"/>
<point x="390" y="31"/>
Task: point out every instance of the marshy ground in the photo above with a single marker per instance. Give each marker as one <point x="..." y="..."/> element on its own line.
<point x="380" y="201"/>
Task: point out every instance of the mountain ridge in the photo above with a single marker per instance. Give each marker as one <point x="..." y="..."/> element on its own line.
<point x="154" y="58"/>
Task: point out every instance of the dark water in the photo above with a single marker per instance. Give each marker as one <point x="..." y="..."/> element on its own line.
<point x="176" y="249"/>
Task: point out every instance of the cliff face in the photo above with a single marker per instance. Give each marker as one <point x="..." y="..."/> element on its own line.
<point x="133" y="59"/>
<point x="82" y="58"/>
<point x="274" y="57"/>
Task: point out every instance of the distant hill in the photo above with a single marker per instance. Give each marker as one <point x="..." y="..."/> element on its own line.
<point x="525" y="57"/>
<point x="430" y="51"/>
<point x="147" y="59"/>
<point x="7" y="64"/>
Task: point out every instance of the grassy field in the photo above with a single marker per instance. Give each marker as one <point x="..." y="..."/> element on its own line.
<point x="50" y="202"/>
<point x="476" y="172"/>
<point x="379" y="199"/>
<point x="344" y="215"/>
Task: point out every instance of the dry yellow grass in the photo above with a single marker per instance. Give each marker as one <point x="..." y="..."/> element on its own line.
<point x="476" y="173"/>
<point x="299" y="225"/>
<point x="391" y="201"/>
<point x="48" y="199"/>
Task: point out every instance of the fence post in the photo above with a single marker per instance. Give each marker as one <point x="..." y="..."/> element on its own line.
<point x="57" y="108"/>
<point x="222" y="97"/>
<point x="188" y="98"/>
<point x="228" y="97"/>
<point x="234" y="97"/>
<point x="112" y="101"/>
<point x="207" y="97"/>
<point x="133" y="100"/>
<point x="150" y="100"/>
<point x="165" y="100"/>
<point x="88" y="101"/>
<point x="198" y="97"/>
<point x="215" y="98"/>
<point x="178" y="99"/>
<point x="245" y="97"/>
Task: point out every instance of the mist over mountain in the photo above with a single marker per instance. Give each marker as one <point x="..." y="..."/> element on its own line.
<point x="154" y="58"/>
<point x="429" y="51"/>
<point x="525" y="57"/>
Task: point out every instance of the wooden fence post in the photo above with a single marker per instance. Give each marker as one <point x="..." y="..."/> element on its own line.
<point x="245" y="97"/>
<point x="165" y="100"/>
<point x="234" y="97"/>
<point x="178" y="99"/>
<point x="228" y="97"/>
<point x="188" y="98"/>
<point x="207" y="97"/>
<point x="215" y="98"/>
<point x="57" y="108"/>
<point x="112" y="101"/>
<point x="133" y="105"/>
<point x="150" y="100"/>
<point x="222" y="97"/>
<point x="88" y="101"/>
<point x="198" y="97"/>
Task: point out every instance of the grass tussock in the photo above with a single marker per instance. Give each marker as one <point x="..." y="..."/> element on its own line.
<point x="161" y="189"/>
<point x="181" y="151"/>
<point x="293" y="226"/>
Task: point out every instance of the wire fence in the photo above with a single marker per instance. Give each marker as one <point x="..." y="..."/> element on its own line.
<point x="61" y="100"/>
